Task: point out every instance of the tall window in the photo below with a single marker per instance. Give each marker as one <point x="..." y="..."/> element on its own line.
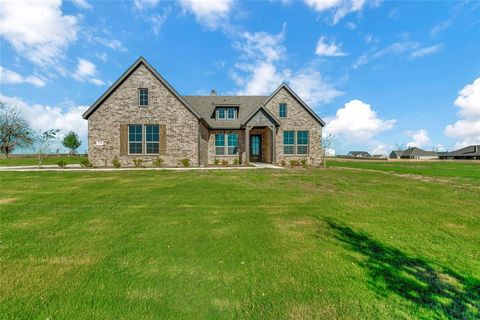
<point x="152" y="138"/>
<point x="302" y="142"/>
<point x="282" y="110"/>
<point x="220" y="144"/>
<point x="232" y="140"/>
<point x="135" y="138"/>
<point x="288" y="142"/>
<point x="231" y="113"/>
<point x="143" y="97"/>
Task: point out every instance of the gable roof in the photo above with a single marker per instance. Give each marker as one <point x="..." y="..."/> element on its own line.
<point x="125" y="75"/>
<point x="206" y="105"/>
<point x="361" y="153"/>
<point x="466" y="151"/>
<point x="261" y="107"/>
<point x="414" y="151"/>
<point x="398" y="153"/>
<point x="296" y="97"/>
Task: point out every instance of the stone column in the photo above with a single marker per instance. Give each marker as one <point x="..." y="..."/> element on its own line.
<point x="247" y="145"/>
<point x="274" y="146"/>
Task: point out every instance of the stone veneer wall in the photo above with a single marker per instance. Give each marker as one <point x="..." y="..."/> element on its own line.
<point x="241" y="146"/>
<point x="297" y="119"/>
<point x="121" y="107"/>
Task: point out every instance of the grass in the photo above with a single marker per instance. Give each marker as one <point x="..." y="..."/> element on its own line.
<point x="33" y="161"/>
<point x="466" y="169"/>
<point x="259" y="244"/>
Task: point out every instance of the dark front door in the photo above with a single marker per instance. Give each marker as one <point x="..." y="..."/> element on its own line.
<point x="255" y="148"/>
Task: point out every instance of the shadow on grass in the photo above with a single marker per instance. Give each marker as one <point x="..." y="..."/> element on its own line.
<point x="441" y="290"/>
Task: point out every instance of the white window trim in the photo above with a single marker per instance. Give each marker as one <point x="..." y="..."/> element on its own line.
<point x="225" y="146"/>
<point x="141" y="142"/>
<point x="295" y="145"/>
<point x="226" y="117"/>
<point x="286" y="110"/>
<point x="303" y="145"/>
<point x="145" y="130"/>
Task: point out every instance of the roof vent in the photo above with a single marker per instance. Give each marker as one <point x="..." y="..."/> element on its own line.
<point x="213" y="93"/>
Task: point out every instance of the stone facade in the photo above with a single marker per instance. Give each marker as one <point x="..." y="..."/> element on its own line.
<point x="121" y="107"/>
<point x="297" y="119"/>
<point x="230" y="158"/>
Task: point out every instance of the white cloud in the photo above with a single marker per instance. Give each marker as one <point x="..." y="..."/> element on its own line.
<point x="113" y="44"/>
<point x="145" y="4"/>
<point x="357" y="122"/>
<point x="420" y="138"/>
<point x="42" y="118"/>
<point x="11" y="77"/>
<point x="398" y="48"/>
<point x="363" y="59"/>
<point x="340" y="7"/>
<point x="38" y="30"/>
<point x="86" y="71"/>
<point x="426" y="51"/>
<point x="328" y="49"/>
<point x="467" y="129"/>
<point x="260" y="70"/>
<point x="82" y="4"/>
<point x="380" y="148"/>
<point x="210" y="13"/>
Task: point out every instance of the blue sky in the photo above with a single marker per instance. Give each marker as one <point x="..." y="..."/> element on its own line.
<point x="381" y="73"/>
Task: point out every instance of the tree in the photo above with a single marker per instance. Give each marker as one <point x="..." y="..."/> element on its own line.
<point x="14" y="130"/>
<point x="42" y="143"/>
<point x="326" y="143"/>
<point x="71" y="141"/>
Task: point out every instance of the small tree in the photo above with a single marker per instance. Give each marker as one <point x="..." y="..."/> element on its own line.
<point x="42" y="143"/>
<point x="72" y="142"/>
<point x="14" y="130"/>
<point x="326" y="142"/>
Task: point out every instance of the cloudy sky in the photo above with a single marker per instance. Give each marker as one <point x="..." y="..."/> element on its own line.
<point x="381" y="73"/>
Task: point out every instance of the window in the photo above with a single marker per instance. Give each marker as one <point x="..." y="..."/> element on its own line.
<point x="143" y="97"/>
<point x="282" y="110"/>
<point x="232" y="140"/>
<point x="135" y="138"/>
<point x="226" y="113"/>
<point x="302" y="142"/>
<point x="152" y="138"/>
<point x="231" y="113"/>
<point x="288" y="142"/>
<point x="219" y="144"/>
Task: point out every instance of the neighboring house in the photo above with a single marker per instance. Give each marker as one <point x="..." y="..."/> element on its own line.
<point x="359" y="154"/>
<point x="396" y="154"/>
<point x="379" y="156"/>
<point x="141" y="116"/>
<point x="467" y="153"/>
<point x="417" y="153"/>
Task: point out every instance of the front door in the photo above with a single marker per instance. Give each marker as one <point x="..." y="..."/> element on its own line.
<point x="255" y="148"/>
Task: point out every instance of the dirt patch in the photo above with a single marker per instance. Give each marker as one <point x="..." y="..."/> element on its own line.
<point x="8" y="200"/>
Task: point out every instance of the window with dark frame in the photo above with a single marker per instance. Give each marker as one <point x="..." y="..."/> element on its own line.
<point x="152" y="138"/>
<point x="302" y="142"/>
<point x="220" y="144"/>
<point x="143" y="97"/>
<point x="135" y="138"/>
<point x="289" y="142"/>
<point x="232" y="141"/>
<point x="226" y="144"/>
<point x="282" y="110"/>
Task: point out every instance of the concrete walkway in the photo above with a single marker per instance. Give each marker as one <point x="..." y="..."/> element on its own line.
<point x="77" y="167"/>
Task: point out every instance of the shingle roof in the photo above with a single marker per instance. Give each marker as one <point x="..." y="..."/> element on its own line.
<point x="398" y="153"/>
<point x="205" y="106"/>
<point x="467" y="151"/>
<point x="414" y="151"/>
<point x="362" y="153"/>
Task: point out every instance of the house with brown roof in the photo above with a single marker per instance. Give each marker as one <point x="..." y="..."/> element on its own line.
<point x="466" y="153"/>
<point x="417" y="153"/>
<point x="141" y="116"/>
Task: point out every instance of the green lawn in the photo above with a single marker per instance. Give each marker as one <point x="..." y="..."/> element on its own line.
<point x="32" y="161"/>
<point x="259" y="244"/>
<point x="467" y="169"/>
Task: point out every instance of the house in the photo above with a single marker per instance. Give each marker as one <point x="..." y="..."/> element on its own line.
<point x="359" y="154"/>
<point x="141" y="116"/>
<point x="467" y="153"/>
<point x="417" y="153"/>
<point x="396" y="154"/>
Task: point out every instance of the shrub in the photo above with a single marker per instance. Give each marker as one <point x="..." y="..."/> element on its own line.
<point x="116" y="163"/>
<point x="283" y="163"/>
<point x="62" y="164"/>
<point x="186" y="162"/>
<point x="224" y="162"/>
<point x="216" y="161"/>
<point x="235" y="161"/>
<point x="138" y="162"/>
<point x="293" y="163"/>
<point x="304" y="162"/>
<point x="158" y="162"/>
<point x="85" y="163"/>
